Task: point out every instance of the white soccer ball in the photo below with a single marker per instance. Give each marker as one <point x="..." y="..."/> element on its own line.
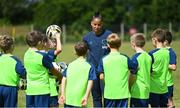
<point x="52" y="30"/>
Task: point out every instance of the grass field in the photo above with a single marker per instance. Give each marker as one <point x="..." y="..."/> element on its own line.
<point x="68" y="55"/>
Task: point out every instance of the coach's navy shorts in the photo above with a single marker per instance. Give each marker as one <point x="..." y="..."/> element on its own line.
<point x="8" y="96"/>
<point x="134" y="102"/>
<point x="37" y="100"/>
<point x="116" y="103"/>
<point x="53" y="101"/>
<point x="158" y="100"/>
<point x="170" y="91"/>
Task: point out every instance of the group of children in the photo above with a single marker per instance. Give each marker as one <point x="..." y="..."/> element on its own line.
<point x="146" y="78"/>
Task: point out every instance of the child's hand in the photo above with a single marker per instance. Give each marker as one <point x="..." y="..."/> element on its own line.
<point x="57" y="35"/>
<point x="61" y="99"/>
<point x="84" y="101"/>
<point x="101" y="76"/>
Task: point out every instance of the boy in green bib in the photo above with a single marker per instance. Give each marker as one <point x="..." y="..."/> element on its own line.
<point x="114" y="69"/>
<point x="160" y="62"/>
<point x="172" y="68"/>
<point x="77" y="79"/>
<point x="38" y="64"/>
<point x="140" y="81"/>
<point x="11" y="69"/>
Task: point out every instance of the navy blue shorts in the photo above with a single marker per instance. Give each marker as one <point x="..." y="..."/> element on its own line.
<point x="158" y="100"/>
<point x="37" y="100"/>
<point x="71" y="106"/>
<point x="170" y="91"/>
<point x="116" y="103"/>
<point x="8" y="96"/>
<point x="134" y="102"/>
<point x="53" y="101"/>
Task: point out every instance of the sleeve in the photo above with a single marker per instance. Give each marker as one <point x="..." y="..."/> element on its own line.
<point x="64" y="73"/>
<point x="51" y="54"/>
<point x="172" y="57"/>
<point x="20" y="68"/>
<point x="132" y="65"/>
<point x="100" y="68"/>
<point x="151" y="54"/>
<point x="47" y="62"/>
<point x="92" y="73"/>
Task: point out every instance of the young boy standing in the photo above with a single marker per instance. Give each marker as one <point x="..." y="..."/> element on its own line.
<point x="38" y="64"/>
<point x="114" y="69"/>
<point x="160" y="62"/>
<point x="140" y="81"/>
<point x="77" y="79"/>
<point x="172" y="67"/>
<point x="11" y="69"/>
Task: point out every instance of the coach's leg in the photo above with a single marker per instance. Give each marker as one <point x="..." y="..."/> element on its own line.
<point x="96" y="93"/>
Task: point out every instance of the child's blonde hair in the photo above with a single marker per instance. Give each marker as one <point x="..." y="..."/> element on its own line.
<point x="138" y="39"/>
<point x="114" y="41"/>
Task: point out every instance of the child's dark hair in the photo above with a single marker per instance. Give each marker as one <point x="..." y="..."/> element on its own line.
<point x="138" y="39"/>
<point x="159" y="34"/>
<point x="168" y="36"/>
<point x="33" y="38"/>
<point x="81" y="48"/>
<point x="6" y="43"/>
<point x="97" y="15"/>
<point x="114" y="41"/>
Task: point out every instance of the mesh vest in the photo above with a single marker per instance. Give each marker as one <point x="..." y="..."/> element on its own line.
<point x="37" y="74"/>
<point x="141" y="87"/>
<point x="116" y="76"/>
<point x="158" y="83"/>
<point x="8" y="75"/>
<point x="77" y="80"/>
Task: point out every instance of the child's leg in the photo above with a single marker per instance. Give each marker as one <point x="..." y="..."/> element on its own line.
<point x="170" y="96"/>
<point x="154" y="100"/>
<point x="134" y="102"/>
<point x="29" y="101"/>
<point x="109" y="103"/>
<point x="53" y="101"/>
<point x="10" y="96"/>
<point x="121" y="103"/>
<point x="164" y="100"/>
<point x="42" y="100"/>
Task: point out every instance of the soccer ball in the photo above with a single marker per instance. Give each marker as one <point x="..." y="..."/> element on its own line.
<point x="52" y="30"/>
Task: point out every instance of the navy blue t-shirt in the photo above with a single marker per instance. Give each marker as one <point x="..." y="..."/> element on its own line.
<point x="51" y="55"/>
<point x="97" y="45"/>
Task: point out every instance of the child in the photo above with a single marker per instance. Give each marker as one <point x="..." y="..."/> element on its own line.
<point x="160" y="62"/>
<point x="140" y="81"/>
<point x="114" y="69"/>
<point x="77" y="79"/>
<point x="37" y="64"/>
<point x="172" y="67"/>
<point x="11" y="69"/>
<point x="53" y="48"/>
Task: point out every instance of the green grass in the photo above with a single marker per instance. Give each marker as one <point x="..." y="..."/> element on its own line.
<point x="68" y="55"/>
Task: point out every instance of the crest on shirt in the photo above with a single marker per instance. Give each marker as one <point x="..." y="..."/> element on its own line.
<point x="104" y="44"/>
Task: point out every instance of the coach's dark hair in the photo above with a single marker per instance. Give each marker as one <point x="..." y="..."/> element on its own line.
<point x="6" y="43"/>
<point x="81" y="48"/>
<point x="97" y="15"/>
<point x="159" y="34"/>
<point x="34" y="37"/>
<point x="168" y="36"/>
